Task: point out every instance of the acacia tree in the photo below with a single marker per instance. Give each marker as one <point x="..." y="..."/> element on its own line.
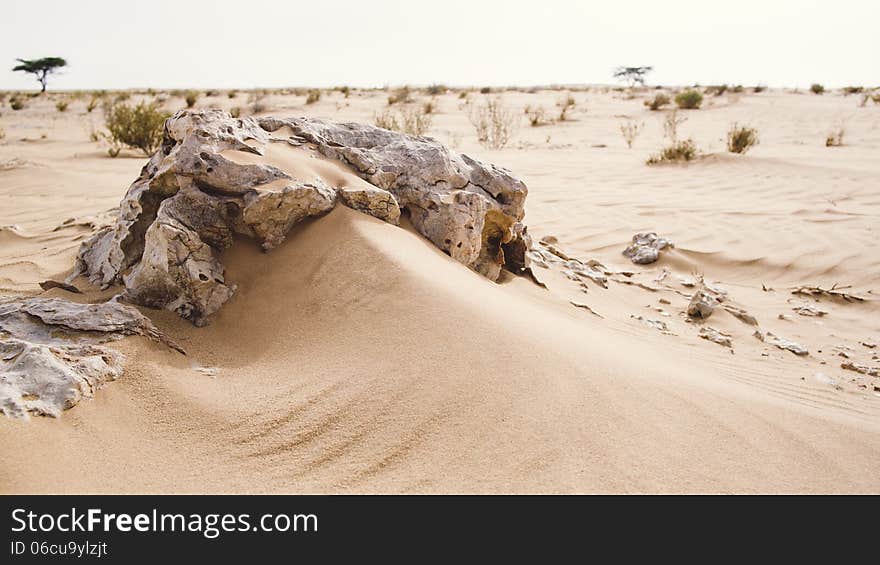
<point x="41" y="68"/>
<point x="632" y="75"/>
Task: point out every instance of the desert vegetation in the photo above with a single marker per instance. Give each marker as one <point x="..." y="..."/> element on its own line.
<point x="565" y="105"/>
<point x="677" y="150"/>
<point x="536" y="115"/>
<point x="817" y="88"/>
<point x="191" y="97"/>
<point x="741" y="138"/>
<point x="410" y="119"/>
<point x="835" y="136"/>
<point x="135" y="126"/>
<point x="659" y="101"/>
<point x="690" y="99"/>
<point x="494" y="123"/>
<point x="632" y="75"/>
<point x="42" y="69"/>
<point x="402" y="95"/>
<point x="630" y="130"/>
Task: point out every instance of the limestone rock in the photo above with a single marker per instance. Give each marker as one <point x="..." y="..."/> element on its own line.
<point x="51" y="352"/>
<point x="189" y="203"/>
<point x="782" y="343"/>
<point x="715" y="336"/>
<point x="646" y="247"/>
<point x="702" y="304"/>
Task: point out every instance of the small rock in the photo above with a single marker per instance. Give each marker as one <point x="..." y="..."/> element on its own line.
<point x="702" y="304"/>
<point x="646" y="247"/>
<point x="715" y="336"/>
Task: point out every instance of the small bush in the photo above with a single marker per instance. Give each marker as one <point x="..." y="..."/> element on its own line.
<point x="16" y="103"/>
<point x="138" y="127"/>
<point x="565" y="104"/>
<point x="835" y="137"/>
<point x="657" y="102"/>
<point x="211" y="93"/>
<point x="690" y="99"/>
<point x="630" y="130"/>
<point x="191" y="98"/>
<point x="430" y="106"/>
<point x="494" y="123"/>
<point x="716" y="90"/>
<point x="401" y="95"/>
<point x="741" y="139"/>
<point x="257" y="102"/>
<point x="436" y="90"/>
<point x="847" y="90"/>
<point x="670" y="125"/>
<point x="412" y="120"/>
<point x="231" y="94"/>
<point x="62" y="105"/>
<point x="93" y="103"/>
<point x="462" y="95"/>
<point x="486" y="90"/>
<point x="345" y="90"/>
<point x="759" y="89"/>
<point x="235" y="112"/>
<point x="738" y="88"/>
<point x="679" y="151"/>
<point x="313" y="96"/>
<point x="817" y="88"/>
<point x="536" y="115"/>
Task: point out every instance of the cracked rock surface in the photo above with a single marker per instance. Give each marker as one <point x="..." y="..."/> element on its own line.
<point x="190" y="202"/>
<point x="51" y="352"/>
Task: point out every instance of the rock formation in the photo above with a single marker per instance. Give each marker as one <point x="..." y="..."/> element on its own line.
<point x="190" y="201"/>
<point x="51" y="354"/>
<point x="646" y="247"/>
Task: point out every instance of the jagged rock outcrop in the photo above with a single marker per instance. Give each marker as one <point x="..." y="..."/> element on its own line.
<point x="51" y="352"/>
<point x="190" y="201"/>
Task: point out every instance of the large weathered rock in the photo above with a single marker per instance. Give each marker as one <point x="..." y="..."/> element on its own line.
<point x="190" y="201"/>
<point x="646" y="247"/>
<point x="51" y="352"/>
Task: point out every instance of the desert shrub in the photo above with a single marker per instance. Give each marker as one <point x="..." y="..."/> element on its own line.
<point x="16" y="103"/>
<point x="430" y="106"/>
<point x="313" y="96"/>
<point x="670" y="125"/>
<point x="876" y="98"/>
<point x="122" y="96"/>
<point x="2" y="133"/>
<point x="231" y="94"/>
<point x="211" y="93"/>
<point x="93" y="103"/>
<point x="738" y="88"/>
<point x="436" y="90"/>
<point x="759" y="89"/>
<point x="536" y="115"/>
<point x="138" y="127"/>
<point x="741" y="139"/>
<point x="817" y="88"/>
<point x="191" y="98"/>
<point x="690" y="99"/>
<point x="345" y="90"/>
<point x="462" y="95"/>
<point x="658" y="101"/>
<point x="486" y="90"/>
<point x="716" y="90"/>
<point x="257" y="102"/>
<point x="494" y="123"/>
<point x="412" y="120"/>
<point x="235" y="112"/>
<point x="678" y="151"/>
<point x="847" y="90"/>
<point x="401" y="95"/>
<point x="62" y="105"/>
<point x="835" y="137"/>
<point x="630" y="130"/>
<point x="565" y="104"/>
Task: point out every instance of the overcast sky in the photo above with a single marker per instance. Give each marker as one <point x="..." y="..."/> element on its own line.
<point x="260" y="43"/>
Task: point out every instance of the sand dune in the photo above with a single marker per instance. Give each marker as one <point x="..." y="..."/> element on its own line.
<point x="356" y="357"/>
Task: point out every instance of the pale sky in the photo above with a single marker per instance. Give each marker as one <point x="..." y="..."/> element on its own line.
<point x="259" y="43"/>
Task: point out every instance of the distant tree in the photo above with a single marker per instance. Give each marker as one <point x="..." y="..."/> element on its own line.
<point x="632" y="75"/>
<point x="41" y="68"/>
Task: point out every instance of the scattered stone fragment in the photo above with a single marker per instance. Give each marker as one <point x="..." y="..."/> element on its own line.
<point x="702" y="304"/>
<point x="782" y="343"/>
<point x="646" y="247"/>
<point x="809" y="310"/>
<point x="784" y="317"/>
<point x="823" y="378"/>
<point x="715" y="336"/>
<point x="741" y="314"/>
<point x="860" y="368"/>
<point x="656" y="324"/>
<point x="687" y="282"/>
<point x="664" y="301"/>
<point x="585" y="307"/>
<point x="51" y="352"/>
<point x="662" y="275"/>
<point x="868" y="344"/>
<point x="49" y="285"/>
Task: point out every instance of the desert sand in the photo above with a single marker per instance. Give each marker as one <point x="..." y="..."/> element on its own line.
<point x="357" y="357"/>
